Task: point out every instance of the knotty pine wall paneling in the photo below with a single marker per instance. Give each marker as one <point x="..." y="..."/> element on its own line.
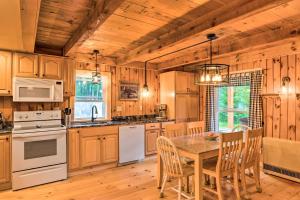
<point x="281" y="113"/>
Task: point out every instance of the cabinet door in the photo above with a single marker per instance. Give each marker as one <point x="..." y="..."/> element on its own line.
<point x="73" y="147"/>
<point x="69" y="77"/>
<point x="151" y="137"/>
<point x="192" y="88"/>
<point x="193" y="107"/>
<point x="90" y="151"/>
<point x="181" y="82"/>
<point x="109" y="148"/>
<point x="51" y="67"/>
<point x="25" y="65"/>
<point x="5" y="159"/>
<point x="181" y="108"/>
<point x="5" y="71"/>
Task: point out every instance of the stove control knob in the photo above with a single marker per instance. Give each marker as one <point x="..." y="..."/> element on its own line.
<point x="20" y="117"/>
<point x="51" y="116"/>
<point x="26" y="116"/>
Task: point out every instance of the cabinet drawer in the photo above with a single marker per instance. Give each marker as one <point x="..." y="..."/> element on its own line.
<point x="152" y="126"/>
<point x="96" y="131"/>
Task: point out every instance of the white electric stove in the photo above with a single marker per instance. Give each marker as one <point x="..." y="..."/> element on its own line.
<point x="38" y="148"/>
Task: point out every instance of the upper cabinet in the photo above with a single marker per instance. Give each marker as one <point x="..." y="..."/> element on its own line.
<point x="51" y="67"/>
<point x="185" y="83"/>
<point x="25" y="65"/>
<point x="5" y="71"/>
<point x="69" y="77"/>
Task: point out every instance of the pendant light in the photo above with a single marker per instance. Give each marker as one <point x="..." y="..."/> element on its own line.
<point x="145" y="87"/>
<point x="96" y="77"/>
<point x="211" y="73"/>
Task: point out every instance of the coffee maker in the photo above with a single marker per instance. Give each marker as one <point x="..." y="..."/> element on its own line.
<point x="161" y="111"/>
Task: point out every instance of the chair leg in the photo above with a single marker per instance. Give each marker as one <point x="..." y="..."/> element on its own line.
<point x="243" y="179"/>
<point x="219" y="188"/>
<point x="257" y="178"/>
<point x="236" y="184"/>
<point x="163" y="186"/>
<point x="179" y="188"/>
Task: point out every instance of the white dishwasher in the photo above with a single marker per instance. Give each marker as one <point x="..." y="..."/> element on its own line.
<point x="131" y="143"/>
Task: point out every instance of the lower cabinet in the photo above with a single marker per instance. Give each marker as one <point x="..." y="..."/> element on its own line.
<point x="5" y="161"/>
<point x="92" y="146"/>
<point x="151" y="136"/>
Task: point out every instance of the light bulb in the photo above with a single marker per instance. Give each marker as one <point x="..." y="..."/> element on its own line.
<point x="219" y="78"/>
<point x="202" y="79"/>
<point x="207" y="78"/>
<point x="214" y="78"/>
<point x="145" y="92"/>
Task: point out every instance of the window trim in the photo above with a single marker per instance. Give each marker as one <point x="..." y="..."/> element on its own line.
<point x="106" y="98"/>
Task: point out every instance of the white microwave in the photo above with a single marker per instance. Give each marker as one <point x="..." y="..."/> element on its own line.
<point x="37" y="90"/>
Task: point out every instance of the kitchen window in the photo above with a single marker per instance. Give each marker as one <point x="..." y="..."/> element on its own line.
<point x="89" y="94"/>
<point x="232" y="107"/>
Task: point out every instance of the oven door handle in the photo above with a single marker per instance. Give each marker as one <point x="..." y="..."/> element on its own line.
<point x="25" y="135"/>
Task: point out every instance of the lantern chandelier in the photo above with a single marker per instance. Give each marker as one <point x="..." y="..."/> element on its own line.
<point x="96" y="77"/>
<point x="210" y="73"/>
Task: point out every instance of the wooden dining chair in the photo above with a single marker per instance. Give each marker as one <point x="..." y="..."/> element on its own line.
<point x="251" y="158"/>
<point x="175" y="130"/>
<point x="227" y="164"/>
<point x="195" y="128"/>
<point x="173" y="166"/>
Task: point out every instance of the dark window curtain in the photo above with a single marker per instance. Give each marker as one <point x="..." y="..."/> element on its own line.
<point x="255" y="108"/>
<point x="254" y="79"/>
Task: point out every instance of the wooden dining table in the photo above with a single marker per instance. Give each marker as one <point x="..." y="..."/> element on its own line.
<point x="196" y="148"/>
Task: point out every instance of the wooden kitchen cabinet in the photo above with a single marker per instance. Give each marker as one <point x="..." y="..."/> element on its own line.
<point x="90" y="151"/>
<point x="25" y="65"/>
<point x="178" y="91"/>
<point x="152" y="131"/>
<point x="69" y="77"/>
<point x="151" y="136"/>
<point x="73" y="149"/>
<point x="5" y="161"/>
<point x="51" y="67"/>
<point x="109" y="148"/>
<point x="92" y="146"/>
<point x="5" y="71"/>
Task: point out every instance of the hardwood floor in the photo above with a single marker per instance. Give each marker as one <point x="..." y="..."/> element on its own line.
<point x="137" y="182"/>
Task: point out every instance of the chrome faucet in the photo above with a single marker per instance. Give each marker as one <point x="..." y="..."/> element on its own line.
<point x="96" y="112"/>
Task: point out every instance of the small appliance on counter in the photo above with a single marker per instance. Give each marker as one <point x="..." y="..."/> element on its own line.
<point x="38" y="148"/>
<point x="161" y="111"/>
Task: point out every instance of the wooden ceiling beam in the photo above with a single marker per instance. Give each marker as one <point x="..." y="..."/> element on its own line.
<point x="225" y="47"/>
<point x="214" y="21"/>
<point x="101" y="12"/>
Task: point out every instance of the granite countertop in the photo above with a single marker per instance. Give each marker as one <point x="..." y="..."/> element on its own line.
<point x="114" y="123"/>
<point x="5" y="130"/>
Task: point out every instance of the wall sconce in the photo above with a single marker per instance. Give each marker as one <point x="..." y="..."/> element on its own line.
<point x="285" y="84"/>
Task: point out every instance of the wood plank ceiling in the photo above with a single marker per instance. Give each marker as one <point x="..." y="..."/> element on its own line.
<point x="142" y="29"/>
<point x="58" y="20"/>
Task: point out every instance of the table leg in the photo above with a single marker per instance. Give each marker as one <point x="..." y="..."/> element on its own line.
<point x="198" y="178"/>
<point x="159" y="171"/>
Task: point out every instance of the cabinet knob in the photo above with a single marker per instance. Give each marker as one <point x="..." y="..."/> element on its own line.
<point x="8" y="91"/>
<point x="98" y="138"/>
<point x="36" y="74"/>
<point x="104" y="138"/>
<point x="7" y="139"/>
<point x="43" y="75"/>
<point x="78" y="131"/>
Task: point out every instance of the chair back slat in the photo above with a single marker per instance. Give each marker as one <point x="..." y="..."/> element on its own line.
<point x="253" y="145"/>
<point x="170" y="158"/>
<point x="229" y="151"/>
<point x="195" y="128"/>
<point x="175" y="130"/>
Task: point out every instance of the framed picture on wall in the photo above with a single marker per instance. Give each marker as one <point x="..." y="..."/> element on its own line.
<point x="129" y="91"/>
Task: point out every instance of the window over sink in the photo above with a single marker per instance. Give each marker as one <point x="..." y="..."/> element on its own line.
<point x="89" y="94"/>
<point x="232" y="107"/>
